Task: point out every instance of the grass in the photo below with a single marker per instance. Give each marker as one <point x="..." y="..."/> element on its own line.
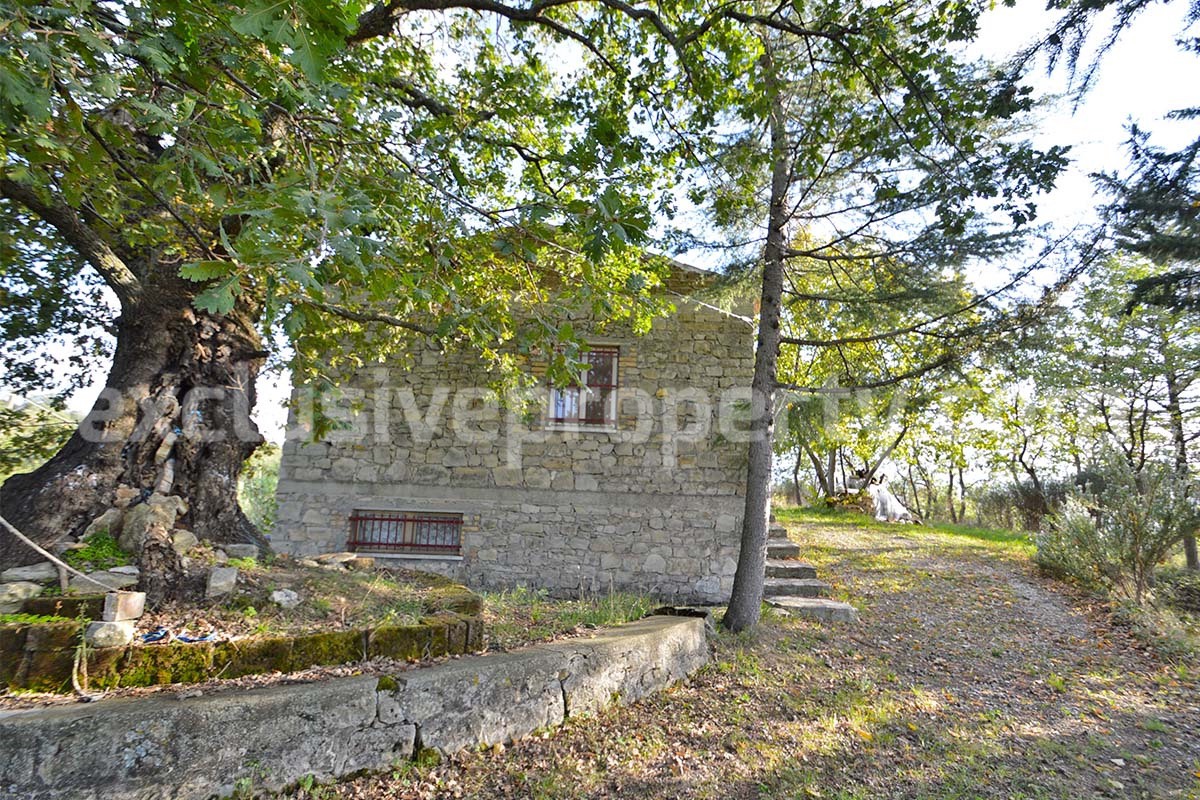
<point x="952" y="686"/>
<point x="1009" y="542"/>
<point x="31" y="619"/>
<point x="520" y="616"/>
<point x="101" y="552"/>
<point x="330" y="600"/>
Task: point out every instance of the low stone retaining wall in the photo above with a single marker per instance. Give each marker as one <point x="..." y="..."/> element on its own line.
<point x="268" y="739"/>
<point x="41" y="656"/>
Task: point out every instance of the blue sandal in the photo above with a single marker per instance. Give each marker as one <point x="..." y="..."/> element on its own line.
<point x="157" y="636"/>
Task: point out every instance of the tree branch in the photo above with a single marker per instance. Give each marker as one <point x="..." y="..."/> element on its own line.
<point x="938" y="363"/>
<point x="120" y="162"/>
<point x="67" y="221"/>
<point x="366" y="316"/>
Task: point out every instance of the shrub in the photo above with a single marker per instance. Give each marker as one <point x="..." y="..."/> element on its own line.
<point x="1179" y="588"/>
<point x="1114" y="538"/>
<point x="256" y="487"/>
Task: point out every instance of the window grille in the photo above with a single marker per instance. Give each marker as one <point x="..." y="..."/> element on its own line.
<point x="405" y="532"/>
<point x="594" y="403"/>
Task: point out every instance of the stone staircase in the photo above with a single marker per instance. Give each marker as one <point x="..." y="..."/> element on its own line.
<point x="792" y="586"/>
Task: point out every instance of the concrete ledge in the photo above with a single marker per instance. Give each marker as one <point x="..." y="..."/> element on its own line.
<point x="268" y="739"/>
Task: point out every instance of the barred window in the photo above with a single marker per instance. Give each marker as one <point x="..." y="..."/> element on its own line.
<point x="405" y="532"/>
<point x="595" y="402"/>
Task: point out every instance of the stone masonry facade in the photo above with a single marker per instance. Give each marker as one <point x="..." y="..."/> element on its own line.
<point x="652" y="501"/>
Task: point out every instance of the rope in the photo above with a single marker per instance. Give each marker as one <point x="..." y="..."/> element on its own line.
<point x="62" y="565"/>
<point x="79" y="668"/>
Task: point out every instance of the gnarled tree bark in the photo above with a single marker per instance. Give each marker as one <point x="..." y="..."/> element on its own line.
<point x="173" y="419"/>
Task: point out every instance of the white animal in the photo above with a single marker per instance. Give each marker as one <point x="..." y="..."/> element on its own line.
<point x="888" y="507"/>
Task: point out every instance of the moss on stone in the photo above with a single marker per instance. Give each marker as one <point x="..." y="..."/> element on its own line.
<point x="104" y="667"/>
<point x="475" y="628"/>
<point x="403" y="642"/>
<point x="38" y="657"/>
<point x="428" y="757"/>
<point x="449" y="633"/>
<point x="47" y="670"/>
<point x="337" y="647"/>
<point x="29" y="619"/>
<point x="12" y="650"/>
<point x="166" y="663"/>
<point x="252" y="656"/>
<point x="89" y="606"/>
<point x="387" y="684"/>
<point x="41" y="656"/>
<point x="454" y="597"/>
<point x="439" y="640"/>
<point x="53" y="636"/>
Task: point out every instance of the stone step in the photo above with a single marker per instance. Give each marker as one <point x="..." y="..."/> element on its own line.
<point x="776" y="531"/>
<point x="781" y="549"/>
<point x="818" y="608"/>
<point x="788" y="568"/>
<point x="794" y="587"/>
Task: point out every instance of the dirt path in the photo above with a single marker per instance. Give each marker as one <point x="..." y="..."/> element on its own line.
<point x="969" y="676"/>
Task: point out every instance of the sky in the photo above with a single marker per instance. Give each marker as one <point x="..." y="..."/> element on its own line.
<point x="1141" y="79"/>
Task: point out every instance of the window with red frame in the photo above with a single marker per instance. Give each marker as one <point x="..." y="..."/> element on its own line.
<point x="405" y="532"/>
<point x="595" y="402"/>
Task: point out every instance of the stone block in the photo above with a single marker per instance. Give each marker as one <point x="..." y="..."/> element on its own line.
<point x="109" y="522"/>
<point x="334" y="647"/>
<point x="119" y="606"/>
<point x="12" y="650"/>
<point x="631" y="661"/>
<point x="480" y="700"/>
<point x="241" y="550"/>
<point x="103" y="667"/>
<point x="286" y="598"/>
<point x="45" y="670"/>
<point x="183" y="540"/>
<point x="221" y="581"/>
<point x="654" y="564"/>
<point x="401" y="642"/>
<point x="109" y="579"/>
<point x="253" y="656"/>
<point x="43" y="572"/>
<point x="820" y="609"/>
<point x="152" y="665"/>
<point x="86" y="606"/>
<point x="14" y="595"/>
<point x="109" y="634"/>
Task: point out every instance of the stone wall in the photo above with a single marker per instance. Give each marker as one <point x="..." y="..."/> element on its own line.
<point x="40" y="656"/>
<point x="653" y="504"/>
<point x="251" y="740"/>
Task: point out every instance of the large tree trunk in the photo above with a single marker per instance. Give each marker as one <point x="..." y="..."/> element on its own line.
<point x="745" y="602"/>
<point x="172" y="421"/>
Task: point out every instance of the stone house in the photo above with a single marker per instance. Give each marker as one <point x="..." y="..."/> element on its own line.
<point x="635" y="481"/>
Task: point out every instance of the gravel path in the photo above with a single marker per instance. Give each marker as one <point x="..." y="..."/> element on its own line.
<point x="969" y="676"/>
